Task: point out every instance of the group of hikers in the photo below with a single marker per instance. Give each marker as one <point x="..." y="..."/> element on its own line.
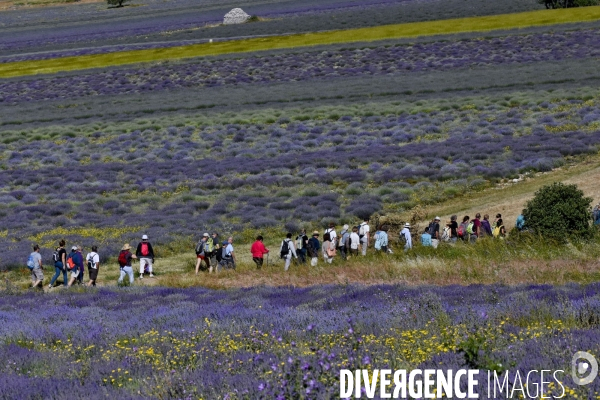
<point x="74" y="263"/>
<point x="217" y="254"/>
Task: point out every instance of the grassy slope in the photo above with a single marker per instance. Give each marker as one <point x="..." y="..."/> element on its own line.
<point x="488" y="262"/>
<point x="475" y="24"/>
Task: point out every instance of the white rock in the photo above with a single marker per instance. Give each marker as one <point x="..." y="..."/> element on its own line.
<point x="235" y="16"/>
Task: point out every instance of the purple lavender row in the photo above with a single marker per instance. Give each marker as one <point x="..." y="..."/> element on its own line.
<point x="284" y="343"/>
<point x="407" y="154"/>
<point x="309" y="65"/>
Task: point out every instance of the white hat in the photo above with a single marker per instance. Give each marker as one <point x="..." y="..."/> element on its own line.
<point x="346" y="227"/>
<point x="74" y="248"/>
<point x="205" y="235"/>
<point x="144" y="237"/>
<point x="407" y="225"/>
<point x="437" y="218"/>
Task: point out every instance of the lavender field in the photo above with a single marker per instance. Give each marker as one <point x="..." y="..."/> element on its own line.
<point x="275" y="141"/>
<point x="283" y="343"/>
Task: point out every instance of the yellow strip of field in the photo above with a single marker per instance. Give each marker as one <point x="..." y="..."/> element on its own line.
<point x="450" y="26"/>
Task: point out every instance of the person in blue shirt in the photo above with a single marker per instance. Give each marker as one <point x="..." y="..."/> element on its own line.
<point x="426" y="238"/>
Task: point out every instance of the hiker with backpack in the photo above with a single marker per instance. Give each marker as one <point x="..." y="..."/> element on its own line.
<point x="93" y="263"/>
<point x="313" y="247"/>
<point x="452" y="230"/>
<point x="74" y="264"/>
<point x="125" y="258"/>
<point x="354" y="242"/>
<point x="434" y="231"/>
<point x="82" y="267"/>
<point x="258" y="251"/>
<point x="462" y="229"/>
<point x="520" y="223"/>
<point x="406" y="237"/>
<point x="499" y="230"/>
<point x="145" y="253"/>
<point x="34" y="263"/>
<point x="227" y="255"/>
<point x="329" y="248"/>
<point x="214" y="260"/>
<point x="486" y="228"/>
<point x="332" y="238"/>
<point x="301" y="243"/>
<point x="287" y="250"/>
<point x="426" y="238"/>
<point x="474" y="228"/>
<point x="381" y="239"/>
<point x="364" y="235"/>
<point x="342" y="244"/>
<point x="201" y="252"/>
<point x="60" y="264"/>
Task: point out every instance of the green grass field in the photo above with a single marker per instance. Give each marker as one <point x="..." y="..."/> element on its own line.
<point x="430" y="28"/>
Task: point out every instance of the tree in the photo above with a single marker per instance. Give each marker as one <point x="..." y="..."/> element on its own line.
<point x="559" y="211"/>
<point x="118" y="3"/>
<point x="568" y="3"/>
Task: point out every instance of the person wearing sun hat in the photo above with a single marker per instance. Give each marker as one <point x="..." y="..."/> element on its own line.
<point x="125" y="258"/>
<point x="406" y="237"/>
<point x="313" y="248"/>
<point x="145" y="253"/>
<point x="434" y="231"/>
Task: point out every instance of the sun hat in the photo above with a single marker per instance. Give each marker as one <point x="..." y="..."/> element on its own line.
<point x="144" y="237"/>
<point x="205" y="235"/>
<point x="407" y="225"/>
<point x="316" y="233"/>
<point x="437" y="218"/>
<point x="346" y="227"/>
<point x="74" y="248"/>
<point x="126" y="246"/>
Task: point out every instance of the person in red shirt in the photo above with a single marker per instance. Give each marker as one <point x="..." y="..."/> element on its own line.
<point x="476" y="228"/>
<point x="258" y="251"/>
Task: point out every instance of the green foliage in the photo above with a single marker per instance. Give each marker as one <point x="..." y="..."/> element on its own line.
<point x="559" y="211"/>
<point x="118" y="3"/>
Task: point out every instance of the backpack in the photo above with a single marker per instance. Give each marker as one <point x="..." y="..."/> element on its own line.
<point x="496" y="231"/>
<point x="299" y="240"/>
<point x="285" y="249"/>
<point x="432" y="229"/>
<point x="209" y="246"/>
<point x="30" y="262"/>
<point x="310" y="247"/>
<point x="344" y="239"/>
<point x="56" y="256"/>
<point x="122" y="258"/>
<point x="70" y="262"/>
<point x="462" y="229"/>
<point x="224" y="255"/>
<point x="90" y="261"/>
<point x="446" y="234"/>
<point x="361" y="231"/>
<point x="199" y="248"/>
<point x="470" y="228"/>
<point x="144" y="250"/>
<point x="377" y="241"/>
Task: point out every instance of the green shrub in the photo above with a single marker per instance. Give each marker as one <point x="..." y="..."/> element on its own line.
<point x="558" y="211"/>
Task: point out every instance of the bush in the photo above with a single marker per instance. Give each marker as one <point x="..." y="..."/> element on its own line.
<point x="558" y="211"/>
<point x="118" y="3"/>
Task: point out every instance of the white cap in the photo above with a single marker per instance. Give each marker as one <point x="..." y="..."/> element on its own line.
<point x="346" y="227"/>
<point x="407" y="225"/>
<point x="74" y="248"/>
<point x="144" y="237"/>
<point x="205" y="235"/>
<point x="437" y="218"/>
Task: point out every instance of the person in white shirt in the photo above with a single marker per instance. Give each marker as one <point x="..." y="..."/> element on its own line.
<point x="363" y="231"/>
<point x="354" y="242"/>
<point x="93" y="262"/>
<point x="405" y="235"/>
<point x="291" y="250"/>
